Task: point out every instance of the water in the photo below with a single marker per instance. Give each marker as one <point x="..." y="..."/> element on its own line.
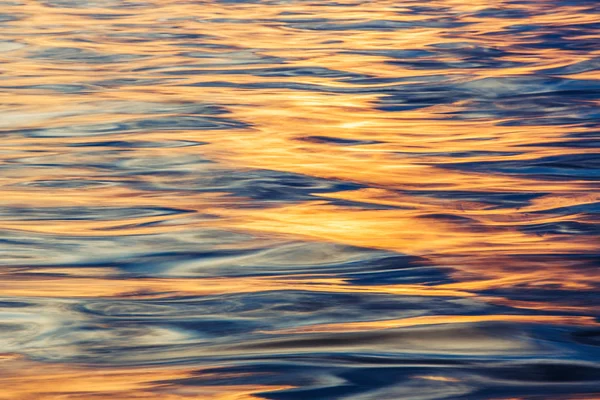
<point x="291" y="200"/>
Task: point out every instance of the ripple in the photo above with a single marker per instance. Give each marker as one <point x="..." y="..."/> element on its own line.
<point x="580" y="166"/>
<point x="82" y="213"/>
<point x="6" y="46"/>
<point x="163" y="124"/>
<point x="73" y="55"/>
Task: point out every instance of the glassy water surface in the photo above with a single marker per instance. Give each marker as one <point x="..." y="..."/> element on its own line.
<point x="289" y="200"/>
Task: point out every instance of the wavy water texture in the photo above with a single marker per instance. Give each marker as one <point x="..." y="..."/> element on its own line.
<point x="286" y="199"/>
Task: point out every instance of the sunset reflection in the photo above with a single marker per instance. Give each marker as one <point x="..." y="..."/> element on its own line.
<point x="236" y="200"/>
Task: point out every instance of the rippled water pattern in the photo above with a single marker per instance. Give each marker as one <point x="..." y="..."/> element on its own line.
<point x="297" y="200"/>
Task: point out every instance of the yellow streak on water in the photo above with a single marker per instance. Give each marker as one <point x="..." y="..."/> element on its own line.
<point x="157" y="288"/>
<point x="432" y="320"/>
<point x="405" y="156"/>
<point x="28" y="380"/>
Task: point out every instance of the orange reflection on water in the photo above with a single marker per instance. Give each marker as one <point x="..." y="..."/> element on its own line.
<point x="483" y="254"/>
<point x="31" y="286"/>
<point x="439" y="319"/>
<point x="27" y="380"/>
<point x="386" y="97"/>
<point x="404" y="155"/>
<point x="407" y="152"/>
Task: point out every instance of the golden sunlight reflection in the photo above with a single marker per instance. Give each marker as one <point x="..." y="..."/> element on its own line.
<point x="348" y="199"/>
<point x="34" y="380"/>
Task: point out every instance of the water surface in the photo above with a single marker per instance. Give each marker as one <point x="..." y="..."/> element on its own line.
<point x="289" y="200"/>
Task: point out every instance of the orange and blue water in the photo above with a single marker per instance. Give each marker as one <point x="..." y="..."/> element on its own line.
<point x="298" y="200"/>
